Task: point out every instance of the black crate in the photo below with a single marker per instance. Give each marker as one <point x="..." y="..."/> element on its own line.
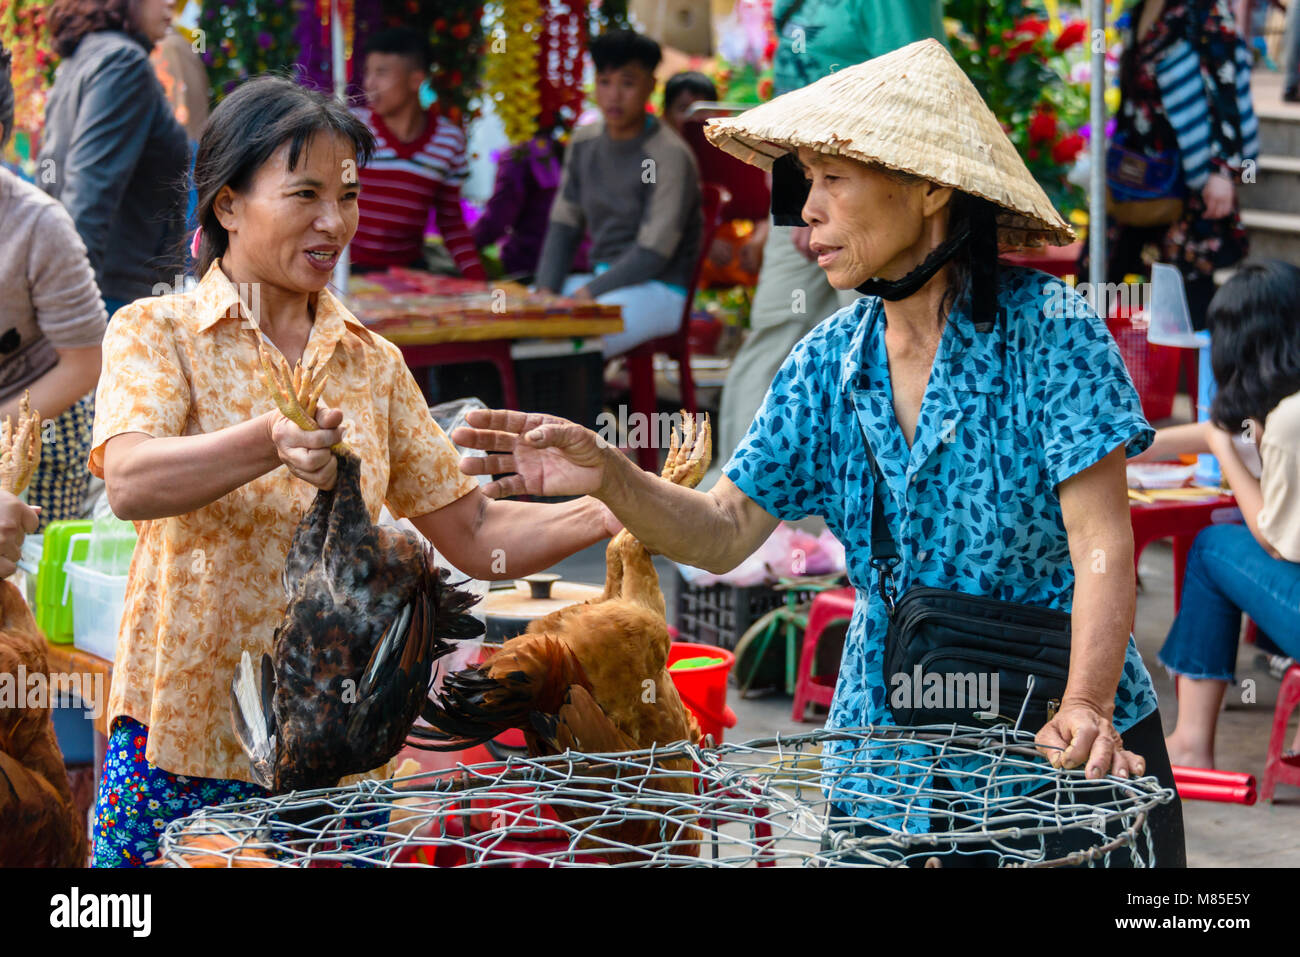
<point x="572" y="386"/>
<point x="720" y="614"/>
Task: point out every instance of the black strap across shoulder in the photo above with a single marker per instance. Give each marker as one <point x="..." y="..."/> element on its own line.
<point x="968" y="641"/>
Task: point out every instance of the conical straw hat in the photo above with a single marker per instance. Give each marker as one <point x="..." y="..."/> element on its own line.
<point x="912" y="110"/>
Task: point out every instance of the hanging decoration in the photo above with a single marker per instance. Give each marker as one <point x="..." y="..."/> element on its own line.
<point x="245" y="39"/>
<point x="561" y="48"/>
<point x="22" y="30"/>
<point x="510" y="70"/>
<point x="347" y="13"/>
<point x="456" y="36"/>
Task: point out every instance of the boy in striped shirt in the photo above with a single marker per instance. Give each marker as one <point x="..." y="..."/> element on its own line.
<point x="419" y="164"/>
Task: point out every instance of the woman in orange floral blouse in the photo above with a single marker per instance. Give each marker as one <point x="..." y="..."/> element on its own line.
<point x="193" y="450"/>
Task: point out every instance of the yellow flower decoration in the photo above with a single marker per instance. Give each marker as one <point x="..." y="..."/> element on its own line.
<point x="510" y="68"/>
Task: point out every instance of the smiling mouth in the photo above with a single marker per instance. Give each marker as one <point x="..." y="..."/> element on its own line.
<point x="322" y="259"/>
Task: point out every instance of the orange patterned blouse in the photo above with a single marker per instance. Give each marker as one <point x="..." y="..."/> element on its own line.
<point x="206" y="585"/>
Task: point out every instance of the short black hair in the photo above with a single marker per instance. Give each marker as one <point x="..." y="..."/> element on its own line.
<point x="688" y="81"/>
<point x="403" y="42"/>
<point x="617" y="48"/>
<point x="245" y="130"/>
<point x="1254" y="322"/>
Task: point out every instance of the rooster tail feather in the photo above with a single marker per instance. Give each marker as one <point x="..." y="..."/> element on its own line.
<point x="472" y="708"/>
<point x="451" y="607"/>
<point x="253" y="718"/>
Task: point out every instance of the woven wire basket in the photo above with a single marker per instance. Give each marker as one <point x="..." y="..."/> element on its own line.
<point x="867" y="797"/>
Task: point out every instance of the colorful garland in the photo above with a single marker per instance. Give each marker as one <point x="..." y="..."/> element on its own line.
<point x="456" y="35"/>
<point x="22" y="30"/>
<point x="561" y="49"/>
<point x="247" y="38"/>
<point x="510" y="70"/>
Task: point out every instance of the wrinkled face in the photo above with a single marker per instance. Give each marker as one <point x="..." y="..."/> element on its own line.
<point x="289" y="227"/>
<point x="153" y="17"/>
<point x="621" y="95"/>
<point x="865" y="223"/>
<point x="391" y="81"/>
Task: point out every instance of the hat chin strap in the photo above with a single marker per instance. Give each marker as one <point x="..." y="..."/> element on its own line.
<point x="892" y="290"/>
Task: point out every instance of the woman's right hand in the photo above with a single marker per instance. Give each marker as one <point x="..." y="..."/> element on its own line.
<point x="17" y="521"/>
<point x="549" y="456"/>
<point x="307" y="454"/>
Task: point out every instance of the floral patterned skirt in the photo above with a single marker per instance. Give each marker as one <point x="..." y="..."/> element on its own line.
<point x="138" y="799"/>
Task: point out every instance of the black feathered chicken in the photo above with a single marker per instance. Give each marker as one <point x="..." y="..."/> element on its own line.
<point x="354" y="656"/>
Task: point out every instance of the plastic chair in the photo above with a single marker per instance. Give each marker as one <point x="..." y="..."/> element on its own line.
<point x="1275" y="771"/>
<point x="827" y="608"/>
<point x="641" y="360"/>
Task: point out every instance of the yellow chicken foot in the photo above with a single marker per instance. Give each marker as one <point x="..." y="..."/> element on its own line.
<point x="688" y="459"/>
<point x="20" y="448"/>
<point x="296" y="397"/>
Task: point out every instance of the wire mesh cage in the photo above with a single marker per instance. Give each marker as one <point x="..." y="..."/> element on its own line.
<point x="867" y="797"/>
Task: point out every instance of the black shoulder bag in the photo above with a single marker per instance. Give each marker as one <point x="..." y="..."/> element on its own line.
<point x="941" y="644"/>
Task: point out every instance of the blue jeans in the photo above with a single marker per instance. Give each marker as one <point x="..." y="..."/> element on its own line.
<point x="1228" y="573"/>
<point x="650" y="310"/>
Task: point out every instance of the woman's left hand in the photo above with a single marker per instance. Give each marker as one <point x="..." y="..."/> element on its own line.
<point x="1081" y="733"/>
<point x="1219" y="194"/>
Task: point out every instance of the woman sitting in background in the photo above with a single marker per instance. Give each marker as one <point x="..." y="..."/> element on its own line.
<point x="51" y="325"/>
<point x="1255" y="567"/>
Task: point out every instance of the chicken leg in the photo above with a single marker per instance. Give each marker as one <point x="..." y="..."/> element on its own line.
<point x="296" y="397"/>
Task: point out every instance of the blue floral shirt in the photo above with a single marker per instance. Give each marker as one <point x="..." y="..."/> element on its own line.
<point x="973" y="505"/>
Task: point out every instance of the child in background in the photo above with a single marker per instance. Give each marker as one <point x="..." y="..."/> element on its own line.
<point x="1255" y="567"/>
<point x="633" y="184"/>
<point x="419" y="163"/>
<point x="681" y="92"/>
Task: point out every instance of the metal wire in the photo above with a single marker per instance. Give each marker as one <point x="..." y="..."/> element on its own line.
<point x="938" y="796"/>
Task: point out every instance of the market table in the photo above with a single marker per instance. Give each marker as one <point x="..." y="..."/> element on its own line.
<point x="1179" y="520"/>
<point x="439" y="320"/>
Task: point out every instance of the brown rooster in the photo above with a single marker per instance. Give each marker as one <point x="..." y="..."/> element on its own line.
<point x="354" y="655"/>
<point x="591" y="677"/>
<point x="39" y="823"/>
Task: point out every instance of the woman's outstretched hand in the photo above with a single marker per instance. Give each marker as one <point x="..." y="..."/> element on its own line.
<point x="549" y="456"/>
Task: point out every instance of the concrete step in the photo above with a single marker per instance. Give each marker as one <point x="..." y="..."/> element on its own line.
<point x="1276" y="188"/>
<point x="1273" y="235"/>
<point x="1279" y="128"/>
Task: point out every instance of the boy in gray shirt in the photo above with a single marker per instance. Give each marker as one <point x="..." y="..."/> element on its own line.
<point x="633" y="184"/>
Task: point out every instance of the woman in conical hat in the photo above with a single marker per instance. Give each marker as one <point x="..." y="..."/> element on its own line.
<point x="993" y="400"/>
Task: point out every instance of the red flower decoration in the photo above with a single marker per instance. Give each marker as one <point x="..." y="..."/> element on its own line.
<point x="1031" y="26"/>
<point x="1071" y="35"/>
<point x="112" y="797"/>
<point x="1068" y="149"/>
<point x="1020" y="49"/>
<point x="1042" y="127"/>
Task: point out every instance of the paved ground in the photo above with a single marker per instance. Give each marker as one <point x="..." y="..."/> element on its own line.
<point x="1225" y="835"/>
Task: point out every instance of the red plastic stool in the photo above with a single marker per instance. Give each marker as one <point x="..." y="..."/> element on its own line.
<point x="827" y="607"/>
<point x="1275" y="772"/>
